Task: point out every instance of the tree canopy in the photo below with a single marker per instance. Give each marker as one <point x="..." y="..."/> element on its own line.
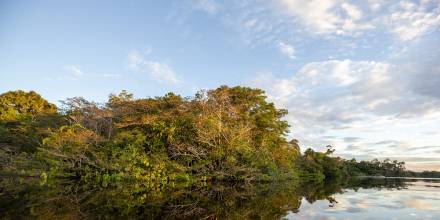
<point x="16" y="105"/>
<point x="227" y="134"/>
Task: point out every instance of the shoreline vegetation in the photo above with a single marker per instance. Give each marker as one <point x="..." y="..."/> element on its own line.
<point x="228" y="134"/>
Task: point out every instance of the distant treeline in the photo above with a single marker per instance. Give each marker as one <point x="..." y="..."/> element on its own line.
<point x="387" y="167"/>
<point x="423" y="174"/>
<point x="227" y="134"/>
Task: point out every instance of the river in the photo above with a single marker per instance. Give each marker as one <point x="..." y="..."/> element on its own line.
<point x="358" y="198"/>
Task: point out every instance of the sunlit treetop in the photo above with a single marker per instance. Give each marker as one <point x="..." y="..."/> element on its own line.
<point x="19" y="104"/>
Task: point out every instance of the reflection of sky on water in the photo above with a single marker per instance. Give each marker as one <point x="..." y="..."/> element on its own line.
<point x="421" y="200"/>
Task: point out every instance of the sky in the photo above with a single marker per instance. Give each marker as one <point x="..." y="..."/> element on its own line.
<point x="362" y="76"/>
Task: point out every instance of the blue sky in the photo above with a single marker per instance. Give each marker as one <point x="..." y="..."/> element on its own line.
<point x="361" y="75"/>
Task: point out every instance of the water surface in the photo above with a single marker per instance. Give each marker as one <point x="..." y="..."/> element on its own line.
<point x="405" y="199"/>
<point x="360" y="198"/>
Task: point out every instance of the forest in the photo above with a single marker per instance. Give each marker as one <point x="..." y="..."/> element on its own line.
<point x="230" y="134"/>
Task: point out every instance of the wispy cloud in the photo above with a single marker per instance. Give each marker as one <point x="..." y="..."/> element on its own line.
<point x="269" y="22"/>
<point x="208" y="6"/>
<point x="369" y="108"/>
<point x="159" y="71"/>
<point x="333" y="92"/>
<point x="287" y="49"/>
<point x="327" y="16"/>
<point x="74" y="70"/>
<point x="409" y="20"/>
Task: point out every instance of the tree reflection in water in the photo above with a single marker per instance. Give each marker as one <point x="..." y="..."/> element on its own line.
<point x="21" y="198"/>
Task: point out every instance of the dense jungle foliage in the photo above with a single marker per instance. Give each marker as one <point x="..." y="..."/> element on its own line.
<point x="224" y="134"/>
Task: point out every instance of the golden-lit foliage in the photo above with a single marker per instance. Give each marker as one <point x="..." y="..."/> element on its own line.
<point x="227" y="134"/>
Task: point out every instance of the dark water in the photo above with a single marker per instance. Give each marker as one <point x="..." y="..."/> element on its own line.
<point x="361" y="198"/>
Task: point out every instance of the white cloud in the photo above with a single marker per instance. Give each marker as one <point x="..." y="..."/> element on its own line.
<point x="287" y="49"/>
<point x="368" y="101"/>
<point x="406" y="19"/>
<point x="375" y="5"/>
<point x="269" y="22"/>
<point x="208" y="6"/>
<point x="410" y="20"/>
<point x="329" y="93"/>
<point x="316" y="13"/>
<point x="75" y="70"/>
<point x="324" y="16"/>
<point x="352" y="11"/>
<point x="160" y="71"/>
<point x="256" y="22"/>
